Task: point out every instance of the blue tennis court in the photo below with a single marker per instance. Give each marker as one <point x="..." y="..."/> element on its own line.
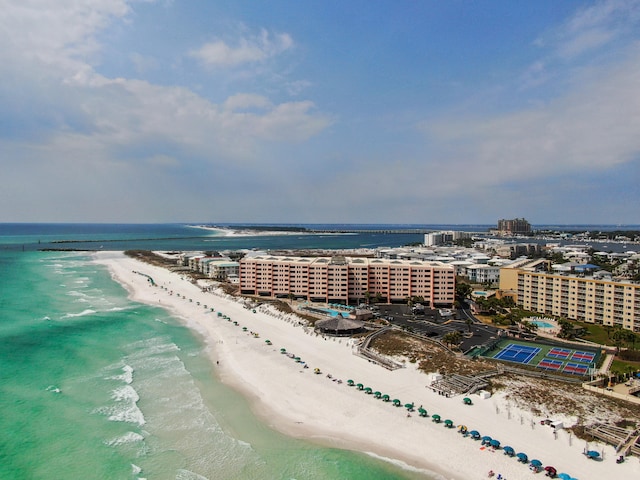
<point x="547" y="364"/>
<point x="576" y="368"/>
<point x="586" y="357"/>
<point x="517" y="353"/>
<point x="559" y="353"/>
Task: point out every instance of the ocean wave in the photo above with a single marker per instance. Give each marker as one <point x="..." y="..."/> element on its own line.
<point x="53" y="389"/>
<point x="81" y="314"/>
<point x="406" y="466"/>
<point x="183" y="474"/>
<point x="125" y="393"/>
<point x="129" y="437"/>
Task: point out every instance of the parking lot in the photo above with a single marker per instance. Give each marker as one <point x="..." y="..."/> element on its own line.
<point x="433" y="324"/>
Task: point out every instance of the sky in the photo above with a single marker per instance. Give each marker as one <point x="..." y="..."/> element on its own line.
<point x="393" y="111"/>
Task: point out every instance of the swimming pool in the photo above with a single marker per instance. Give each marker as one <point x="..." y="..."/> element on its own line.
<point x="541" y="324"/>
<point x="327" y="311"/>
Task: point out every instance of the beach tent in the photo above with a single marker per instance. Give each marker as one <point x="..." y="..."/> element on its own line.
<point x="509" y="451"/>
<point x="448" y="423"/>
<point x="475" y="434"/>
<point x="467" y="401"/>
<point x="522" y="457"/>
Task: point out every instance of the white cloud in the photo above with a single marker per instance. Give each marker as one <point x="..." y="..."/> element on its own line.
<point x="594" y="127"/>
<point x="247" y="50"/>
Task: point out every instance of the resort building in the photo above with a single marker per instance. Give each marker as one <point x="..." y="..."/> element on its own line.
<point x="575" y="295"/>
<point x="516" y="226"/>
<point x="443" y="238"/>
<point x="348" y="279"/>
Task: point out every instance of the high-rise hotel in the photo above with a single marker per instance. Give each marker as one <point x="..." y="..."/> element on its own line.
<point x="348" y="280"/>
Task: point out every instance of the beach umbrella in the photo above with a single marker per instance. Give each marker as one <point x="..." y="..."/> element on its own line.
<point x="244" y="329"/>
<point x="408" y="406"/>
<point x="522" y="457"/>
<point x="448" y="423"/>
<point x="268" y="342"/>
<point x="422" y="412"/>
<point x="593" y="454"/>
<point x="495" y="443"/>
<point x="359" y="386"/>
<point x="316" y="370"/>
<point x="462" y="429"/>
<point x="486" y="439"/>
<point x="283" y="350"/>
<point x="535" y="463"/>
<point x="297" y="359"/>
<point x="475" y="434"/>
<point x="467" y="401"/>
<point x="435" y="417"/>
<point x="551" y="471"/>
<point x="351" y="383"/>
<point x="509" y="451"/>
<point x="385" y="398"/>
<point x="397" y="402"/>
<point x="368" y="390"/>
<point x="564" y="476"/>
<point x="377" y="394"/>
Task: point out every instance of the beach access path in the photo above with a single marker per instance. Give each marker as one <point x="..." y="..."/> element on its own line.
<point x="300" y="403"/>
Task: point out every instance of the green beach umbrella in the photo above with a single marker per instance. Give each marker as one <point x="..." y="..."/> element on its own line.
<point x="244" y="329"/>
<point x="385" y="398"/>
<point x="359" y="386"/>
<point x="435" y="418"/>
<point x="422" y="412"/>
<point x="408" y="406"/>
<point x="377" y="394"/>
<point x="283" y="350"/>
<point x="351" y="383"/>
<point x="368" y="390"/>
<point x="467" y="401"/>
<point x="448" y="423"/>
<point x="397" y="402"/>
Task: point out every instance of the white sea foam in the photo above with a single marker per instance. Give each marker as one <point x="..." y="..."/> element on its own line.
<point x="126" y="393"/>
<point x="53" y="389"/>
<point x="135" y="469"/>
<point x="129" y="437"/>
<point x="125" y="408"/>
<point x="81" y="314"/>
<point x="183" y="474"/>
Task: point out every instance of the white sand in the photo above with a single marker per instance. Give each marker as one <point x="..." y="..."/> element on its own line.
<point x="302" y="404"/>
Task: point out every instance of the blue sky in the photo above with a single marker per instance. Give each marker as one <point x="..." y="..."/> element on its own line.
<point x="300" y="111"/>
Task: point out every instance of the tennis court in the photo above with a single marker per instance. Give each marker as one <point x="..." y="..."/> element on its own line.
<point x="517" y="353"/>
<point x="576" y="368"/>
<point x="559" y="353"/>
<point x="585" y="357"/>
<point x="548" y="364"/>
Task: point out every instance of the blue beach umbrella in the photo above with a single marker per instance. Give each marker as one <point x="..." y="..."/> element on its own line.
<point x="593" y="454"/>
<point x="536" y="463"/>
<point x="522" y="457"/>
<point x="495" y="443"/>
<point x="486" y="439"/>
<point x="475" y="434"/>
<point x="564" y="476"/>
<point x="509" y="451"/>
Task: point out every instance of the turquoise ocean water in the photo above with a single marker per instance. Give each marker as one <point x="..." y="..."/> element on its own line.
<point x="95" y="386"/>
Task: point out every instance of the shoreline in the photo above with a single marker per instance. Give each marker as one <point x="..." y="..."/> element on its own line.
<point x="301" y="404"/>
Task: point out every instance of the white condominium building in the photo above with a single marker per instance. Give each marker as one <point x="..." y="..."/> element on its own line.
<point x="348" y="279"/>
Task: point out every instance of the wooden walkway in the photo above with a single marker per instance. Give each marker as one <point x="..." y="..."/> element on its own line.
<point x="625" y="441"/>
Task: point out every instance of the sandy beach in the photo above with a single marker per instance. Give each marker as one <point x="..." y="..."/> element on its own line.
<point x="301" y="403"/>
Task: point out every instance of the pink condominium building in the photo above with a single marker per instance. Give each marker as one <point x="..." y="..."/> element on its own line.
<point x="346" y="280"/>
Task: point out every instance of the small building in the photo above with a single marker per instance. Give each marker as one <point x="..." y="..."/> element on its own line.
<point x="339" y="326"/>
